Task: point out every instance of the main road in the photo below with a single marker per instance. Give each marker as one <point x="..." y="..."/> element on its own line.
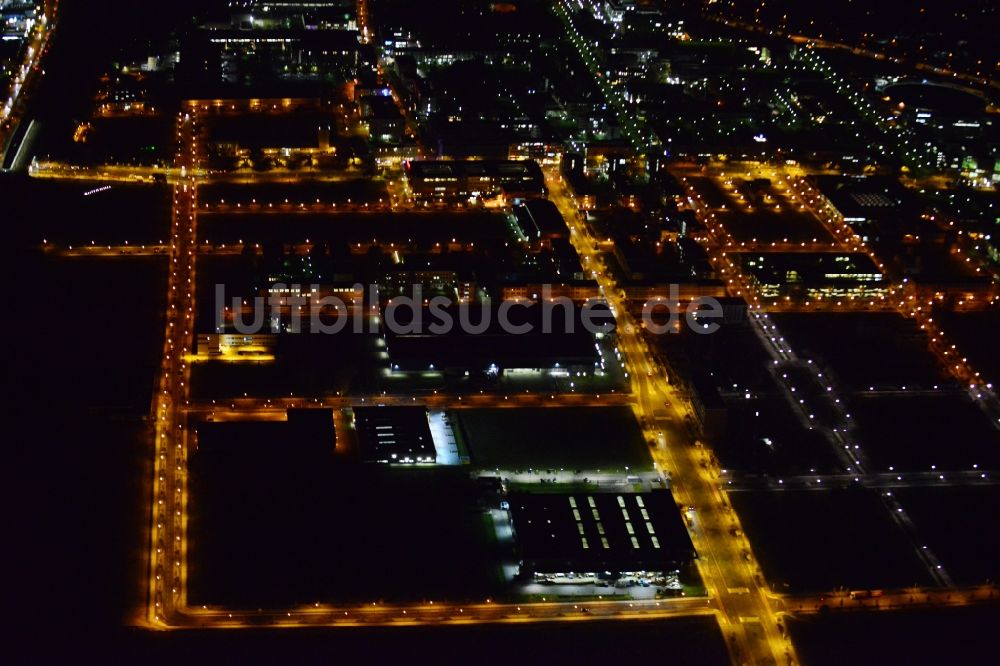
<point x="168" y="548"/>
<point x="747" y="610"/>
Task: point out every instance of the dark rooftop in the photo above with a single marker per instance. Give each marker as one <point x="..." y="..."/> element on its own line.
<point x="394" y="434"/>
<point x="421" y="348"/>
<point x="600" y="532"/>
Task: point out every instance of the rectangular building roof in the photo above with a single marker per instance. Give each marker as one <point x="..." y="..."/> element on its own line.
<point x="424" y="349"/>
<point x="512" y="171"/>
<point x="394" y="434"/>
<point x="600" y="532"/>
<point x="539" y="218"/>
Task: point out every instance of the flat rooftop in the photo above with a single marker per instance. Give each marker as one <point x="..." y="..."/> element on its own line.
<point x="600" y="532"/>
<point x="394" y="434"/>
<point x="424" y="349"/>
<point x="865" y="198"/>
<point x="539" y="218"/>
<point x="453" y="169"/>
<point x="810" y="267"/>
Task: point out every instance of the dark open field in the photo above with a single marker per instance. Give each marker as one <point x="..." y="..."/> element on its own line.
<point x="270" y="529"/>
<point x="62" y="215"/>
<point x="820" y="540"/>
<point x="129" y="140"/>
<point x="913" y="433"/>
<point x="864" y="350"/>
<point x="74" y="476"/>
<point x="304" y="365"/>
<point x="734" y="357"/>
<point x="960" y="636"/>
<point x="958" y="525"/>
<point x="975" y="334"/>
<point x="764" y="436"/>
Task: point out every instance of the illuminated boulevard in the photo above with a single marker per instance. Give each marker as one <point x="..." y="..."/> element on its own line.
<point x="726" y="563"/>
<point x="168" y="551"/>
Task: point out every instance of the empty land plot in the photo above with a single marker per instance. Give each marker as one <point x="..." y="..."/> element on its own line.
<point x="957" y="524"/>
<point x="864" y="350"/>
<point x="269" y="529"/>
<point x="764" y="436"/>
<point x="820" y="540"/>
<point x="975" y="335"/>
<point x="76" y="213"/>
<point x="926" y="636"/>
<point x="924" y="433"/>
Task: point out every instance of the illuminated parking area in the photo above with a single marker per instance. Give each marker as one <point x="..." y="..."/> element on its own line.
<point x="445" y="444"/>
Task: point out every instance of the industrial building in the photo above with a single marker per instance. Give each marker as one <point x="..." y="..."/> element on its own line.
<point x="540" y="220"/>
<point x="454" y="179"/>
<point x="418" y="343"/>
<point x="813" y="275"/>
<point x="394" y="435"/>
<point x="600" y="536"/>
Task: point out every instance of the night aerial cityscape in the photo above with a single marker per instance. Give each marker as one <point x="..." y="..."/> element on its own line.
<point x="502" y="331"/>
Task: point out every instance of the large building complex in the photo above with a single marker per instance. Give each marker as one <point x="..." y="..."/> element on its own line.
<point x="472" y="179"/>
<point x="608" y="537"/>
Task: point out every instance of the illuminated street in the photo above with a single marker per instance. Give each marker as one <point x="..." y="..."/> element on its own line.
<point x="726" y="563"/>
<point x="167" y="532"/>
